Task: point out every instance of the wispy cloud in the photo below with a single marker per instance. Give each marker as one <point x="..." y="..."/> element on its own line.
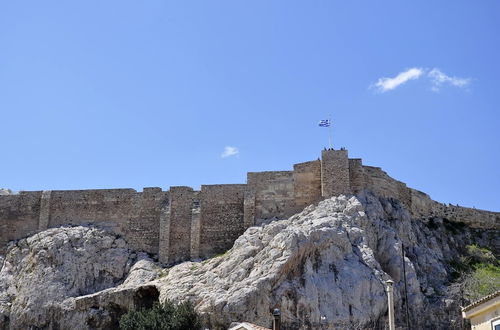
<point x="439" y="78"/>
<point x="386" y="84"/>
<point x="229" y="151"/>
<point x="436" y="77"/>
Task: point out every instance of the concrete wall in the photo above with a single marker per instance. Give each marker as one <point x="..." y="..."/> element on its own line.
<point x="485" y="315"/>
<point x="222" y="209"/>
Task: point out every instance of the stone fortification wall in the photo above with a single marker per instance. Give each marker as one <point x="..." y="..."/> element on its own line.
<point x="356" y="175"/>
<point x="383" y="185"/>
<point x="274" y="194"/>
<point x="111" y="208"/>
<point x="423" y="206"/>
<point x="123" y="211"/>
<point x="182" y="224"/>
<point x="143" y="228"/>
<point x="335" y="173"/>
<point x="222" y="208"/>
<point x="418" y="203"/>
<point x="176" y="226"/>
<point x="19" y="216"/>
<point x="306" y="184"/>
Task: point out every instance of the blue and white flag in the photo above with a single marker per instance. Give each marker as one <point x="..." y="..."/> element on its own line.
<point x="324" y="123"/>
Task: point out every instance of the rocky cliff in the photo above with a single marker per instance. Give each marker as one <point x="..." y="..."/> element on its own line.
<point x="324" y="267"/>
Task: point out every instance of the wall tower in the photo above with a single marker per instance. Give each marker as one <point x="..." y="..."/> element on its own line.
<point x="334" y="173"/>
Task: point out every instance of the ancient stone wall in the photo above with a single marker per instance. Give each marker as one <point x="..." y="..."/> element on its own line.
<point x="221" y="217"/>
<point x="112" y="208"/>
<point x="196" y="226"/>
<point x="182" y="224"/>
<point x="334" y="173"/>
<point x="178" y="229"/>
<point x="383" y="185"/>
<point x="424" y="207"/>
<point x="124" y="211"/>
<point x="356" y="175"/>
<point x="306" y="184"/>
<point x="249" y="208"/>
<point x="19" y="216"/>
<point x="143" y="231"/>
<point x="274" y="193"/>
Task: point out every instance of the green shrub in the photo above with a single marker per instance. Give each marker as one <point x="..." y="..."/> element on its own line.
<point x="485" y="279"/>
<point x="480" y="255"/>
<point x="166" y="317"/>
<point x="478" y="270"/>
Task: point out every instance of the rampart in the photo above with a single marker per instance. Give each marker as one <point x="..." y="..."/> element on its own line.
<point x="183" y="223"/>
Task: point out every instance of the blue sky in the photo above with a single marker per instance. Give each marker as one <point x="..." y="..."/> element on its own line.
<point x="105" y="94"/>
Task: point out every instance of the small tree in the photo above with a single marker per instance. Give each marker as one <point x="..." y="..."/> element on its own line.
<point x="162" y="317"/>
<point x="485" y="279"/>
<point x="478" y="270"/>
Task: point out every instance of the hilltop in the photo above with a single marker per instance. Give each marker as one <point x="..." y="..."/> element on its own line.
<point x="329" y="260"/>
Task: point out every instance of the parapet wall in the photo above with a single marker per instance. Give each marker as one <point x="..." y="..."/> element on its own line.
<point x="183" y="223"/>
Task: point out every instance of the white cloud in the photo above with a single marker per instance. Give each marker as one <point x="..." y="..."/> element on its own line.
<point x="438" y="78"/>
<point x="386" y="84"/>
<point x="229" y="151"/>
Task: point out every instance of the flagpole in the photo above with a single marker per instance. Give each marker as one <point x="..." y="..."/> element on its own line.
<point x="330" y="132"/>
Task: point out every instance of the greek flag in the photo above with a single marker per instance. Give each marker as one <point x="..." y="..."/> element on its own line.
<point x="324" y="123"/>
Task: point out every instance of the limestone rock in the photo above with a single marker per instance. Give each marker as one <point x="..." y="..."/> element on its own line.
<point x="41" y="271"/>
<point x="315" y="265"/>
<point x="325" y="267"/>
<point x="4" y="191"/>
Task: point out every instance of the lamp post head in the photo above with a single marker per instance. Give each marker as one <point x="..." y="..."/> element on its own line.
<point x="276" y="312"/>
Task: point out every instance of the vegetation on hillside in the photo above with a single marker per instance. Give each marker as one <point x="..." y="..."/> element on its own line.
<point x="162" y="317"/>
<point x="478" y="270"/>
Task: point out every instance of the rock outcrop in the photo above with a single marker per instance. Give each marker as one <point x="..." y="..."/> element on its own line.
<point x="4" y="191"/>
<point x="328" y="264"/>
<point x="40" y="272"/>
<point x="325" y="267"/>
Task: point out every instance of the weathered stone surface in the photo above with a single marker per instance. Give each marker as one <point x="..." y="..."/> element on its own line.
<point x="327" y="264"/>
<point x="4" y="191"/>
<point x="182" y="224"/>
<point x="41" y="271"/>
<point x="329" y="261"/>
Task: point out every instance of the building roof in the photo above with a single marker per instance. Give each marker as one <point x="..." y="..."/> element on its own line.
<point x="481" y="301"/>
<point x="246" y="326"/>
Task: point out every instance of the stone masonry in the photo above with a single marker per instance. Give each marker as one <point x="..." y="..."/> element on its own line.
<point x="182" y="224"/>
